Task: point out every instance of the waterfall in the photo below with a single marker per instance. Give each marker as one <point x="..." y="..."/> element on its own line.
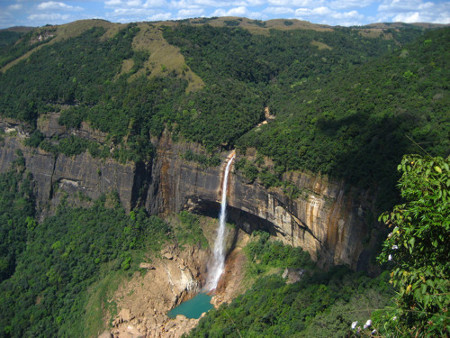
<point x="216" y="267"/>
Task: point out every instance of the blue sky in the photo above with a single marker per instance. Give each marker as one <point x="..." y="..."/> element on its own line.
<point x="332" y="12"/>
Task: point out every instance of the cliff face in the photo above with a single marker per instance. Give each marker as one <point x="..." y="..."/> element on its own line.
<point x="77" y="179"/>
<point x="325" y="220"/>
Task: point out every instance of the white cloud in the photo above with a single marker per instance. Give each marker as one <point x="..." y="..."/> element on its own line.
<point x="413" y="11"/>
<point x="408" y="17"/>
<point x="133" y="3"/>
<point x="53" y="5"/>
<point x="333" y="12"/>
<point x="160" y="17"/>
<point x="321" y="11"/>
<point x="394" y="6"/>
<point x="348" y="15"/>
<point x="326" y="15"/>
<point x="15" y="7"/>
<point x="155" y="4"/>
<point x="296" y="3"/>
<point x="190" y="13"/>
<point x="345" y="4"/>
<point x="49" y="17"/>
<point x="254" y="3"/>
<point x="279" y="10"/>
<point x="236" y="11"/>
<point x="257" y="16"/>
<point x="426" y="5"/>
<point x="129" y="11"/>
<point x="209" y="3"/>
<point x="113" y="2"/>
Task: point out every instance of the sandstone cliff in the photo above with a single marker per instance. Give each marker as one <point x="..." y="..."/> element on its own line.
<point x="329" y="220"/>
<point x="76" y="178"/>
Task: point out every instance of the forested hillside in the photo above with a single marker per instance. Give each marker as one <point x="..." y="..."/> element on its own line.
<point x="340" y="99"/>
<point x="347" y="103"/>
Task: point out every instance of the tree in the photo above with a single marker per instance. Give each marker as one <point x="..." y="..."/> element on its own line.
<point x="418" y="249"/>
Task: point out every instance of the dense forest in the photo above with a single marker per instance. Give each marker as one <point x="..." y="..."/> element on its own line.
<point x="334" y="102"/>
<point x="382" y="92"/>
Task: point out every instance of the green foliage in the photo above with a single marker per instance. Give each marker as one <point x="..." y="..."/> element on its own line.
<point x="220" y="113"/>
<point x="35" y="139"/>
<point x="8" y="38"/>
<point x="264" y="254"/>
<point x="417" y="249"/>
<point x="15" y="44"/>
<point x="73" y="145"/>
<point x="46" y="294"/>
<point x="188" y="230"/>
<point x="139" y="59"/>
<point x="243" y="73"/>
<point x="69" y="146"/>
<point x="247" y="169"/>
<point x="16" y="218"/>
<point x="204" y="160"/>
<point x="346" y="125"/>
<point x="222" y="53"/>
<point x="321" y="304"/>
<point x="65" y="72"/>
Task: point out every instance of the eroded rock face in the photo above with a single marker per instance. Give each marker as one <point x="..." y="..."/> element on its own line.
<point x="143" y="302"/>
<point x="327" y="220"/>
<point x="77" y="178"/>
<point x="324" y="220"/>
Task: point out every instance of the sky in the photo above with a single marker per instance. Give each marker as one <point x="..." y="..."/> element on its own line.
<point x="331" y="12"/>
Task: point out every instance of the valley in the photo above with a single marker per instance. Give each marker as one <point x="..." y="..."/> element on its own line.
<point x="119" y="144"/>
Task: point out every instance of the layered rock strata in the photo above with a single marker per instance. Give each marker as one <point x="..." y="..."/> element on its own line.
<point x="327" y="219"/>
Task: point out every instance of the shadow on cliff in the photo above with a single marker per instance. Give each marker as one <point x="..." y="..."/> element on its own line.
<point x="239" y="218"/>
<point x="366" y="150"/>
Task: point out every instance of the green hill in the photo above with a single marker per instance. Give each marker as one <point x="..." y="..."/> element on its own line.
<point x="342" y="102"/>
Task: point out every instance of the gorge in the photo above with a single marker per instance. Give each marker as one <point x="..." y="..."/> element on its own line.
<point x="328" y="222"/>
<point x="324" y="222"/>
<point x="120" y="144"/>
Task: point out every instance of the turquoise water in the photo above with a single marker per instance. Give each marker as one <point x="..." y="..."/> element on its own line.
<point x="193" y="308"/>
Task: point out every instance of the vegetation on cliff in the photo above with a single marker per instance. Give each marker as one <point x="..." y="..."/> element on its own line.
<point x="46" y="295"/>
<point x="16" y="216"/>
<point x="48" y="267"/>
<point x="339" y="302"/>
<point x="358" y="124"/>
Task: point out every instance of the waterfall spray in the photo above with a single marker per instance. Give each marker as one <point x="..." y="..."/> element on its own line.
<point x="217" y="265"/>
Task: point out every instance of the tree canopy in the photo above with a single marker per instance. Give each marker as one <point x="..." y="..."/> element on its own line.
<point x="417" y="250"/>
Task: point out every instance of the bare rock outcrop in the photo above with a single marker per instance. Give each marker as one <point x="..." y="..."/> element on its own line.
<point x="143" y="302"/>
<point x="77" y="178"/>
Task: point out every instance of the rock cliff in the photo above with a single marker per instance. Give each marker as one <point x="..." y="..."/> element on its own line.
<point x="328" y="220"/>
<point x="75" y="178"/>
